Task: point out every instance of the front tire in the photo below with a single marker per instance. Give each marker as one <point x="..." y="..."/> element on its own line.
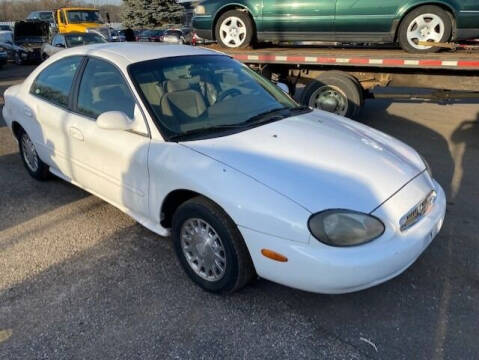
<point x="210" y="247"/>
<point x="34" y="165"/>
<point x="234" y="29"/>
<point x="426" y="23"/>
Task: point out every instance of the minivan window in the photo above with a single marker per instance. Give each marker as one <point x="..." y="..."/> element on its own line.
<point x="103" y="89"/>
<point x="55" y="81"/>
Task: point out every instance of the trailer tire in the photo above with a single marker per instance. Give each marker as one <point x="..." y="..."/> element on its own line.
<point x="238" y="22"/>
<point x="336" y="92"/>
<point x="410" y="25"/>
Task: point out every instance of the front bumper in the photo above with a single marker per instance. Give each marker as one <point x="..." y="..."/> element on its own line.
<point x="319" y="268"/>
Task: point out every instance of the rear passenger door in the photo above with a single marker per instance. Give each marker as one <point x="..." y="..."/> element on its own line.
<point x="50" y="101"/>
<point x="366" y="20"/>
<point x="282" y="19"/>
<point x="110" y="163"/>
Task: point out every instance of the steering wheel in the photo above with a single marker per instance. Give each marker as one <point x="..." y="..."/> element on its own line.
<point x="229" y="92"/>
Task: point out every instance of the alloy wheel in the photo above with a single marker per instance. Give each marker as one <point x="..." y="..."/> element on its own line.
<point x="233" y="31"/>
<point x="425" y="27"/>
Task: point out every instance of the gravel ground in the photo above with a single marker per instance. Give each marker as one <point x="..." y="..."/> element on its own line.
<point x="79" y="279"/>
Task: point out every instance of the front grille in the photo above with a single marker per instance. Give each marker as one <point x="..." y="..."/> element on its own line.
<point x="418" y="211"/>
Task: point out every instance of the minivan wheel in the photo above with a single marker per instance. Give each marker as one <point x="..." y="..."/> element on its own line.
<point x="210" y="247"/>
<point x="426" y="23"/>
<point x="234" y="29"/>
<point x="34" y="165"/>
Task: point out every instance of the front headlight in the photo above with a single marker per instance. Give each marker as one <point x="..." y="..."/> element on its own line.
<point x="200" y="10"/>
<point x="428" y="168"/>
<point x="345" y="227"/>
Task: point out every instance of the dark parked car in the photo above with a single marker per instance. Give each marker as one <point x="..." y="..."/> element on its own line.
<point x="118" y="35"/>
<point x="411" y="23"/>
<point x="29" y="37"/>
<point x="151" y="36"/>
<point x="3" y="56"/>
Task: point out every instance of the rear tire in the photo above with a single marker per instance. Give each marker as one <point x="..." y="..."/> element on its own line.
<point x="234" y="29"/>
<point x="336" y="92"/>
<point x="426" y="23"/>
<point x="210" y="247"/>
<point x="34" y="165"/>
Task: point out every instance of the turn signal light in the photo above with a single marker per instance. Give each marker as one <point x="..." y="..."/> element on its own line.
<point x="273" y="255"/>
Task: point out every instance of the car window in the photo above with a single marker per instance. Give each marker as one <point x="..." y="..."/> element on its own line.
<point x="55" y="81"/>
<point x="103" y="89"/>
<point x="62" y="17"/>
<point x="58" y="39"/>
<point x="84" y="39"/>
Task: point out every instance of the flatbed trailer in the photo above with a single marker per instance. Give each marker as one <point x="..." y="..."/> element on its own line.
<point x="340" y="79"/>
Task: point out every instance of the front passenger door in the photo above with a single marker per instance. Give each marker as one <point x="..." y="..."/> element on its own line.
<point x="112" y="164"/>
<point x="300" y="19"/>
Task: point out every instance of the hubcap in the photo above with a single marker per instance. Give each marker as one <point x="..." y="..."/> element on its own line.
<point x="329" y="98"/>
<point x="203" y="249"/>
<point x="29" y="153"/>
<point x="425" y="27"/>
<point x="233" y="31"/>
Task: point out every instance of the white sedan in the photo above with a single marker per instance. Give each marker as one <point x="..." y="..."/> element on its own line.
<point x="190" y="142"/>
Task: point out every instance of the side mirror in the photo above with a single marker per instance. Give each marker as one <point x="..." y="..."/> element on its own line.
<point x="113" y="120"/>
<point x="283" y="87"/>
<point x="60" y="46"/>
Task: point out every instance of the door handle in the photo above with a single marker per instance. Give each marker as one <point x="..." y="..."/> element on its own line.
<point x="27" y="112"/>
<point x="76" y="134"/>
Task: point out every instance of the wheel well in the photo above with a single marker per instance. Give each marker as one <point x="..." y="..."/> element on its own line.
<point x="17" y="129"/>
<point x="172" y="201"/>
<point x="446" y="8"/>
<point x="228" y="8"/>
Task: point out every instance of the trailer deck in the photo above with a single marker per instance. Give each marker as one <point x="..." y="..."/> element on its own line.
<point x="359" y="57"/>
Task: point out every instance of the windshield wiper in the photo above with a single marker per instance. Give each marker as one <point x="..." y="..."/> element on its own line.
<point x="205" y="130"/>
<point x="265" y="116"/>
<point x="301" y="108"/>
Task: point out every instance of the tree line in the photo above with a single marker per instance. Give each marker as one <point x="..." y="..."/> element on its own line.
<point x="14" y="10"/>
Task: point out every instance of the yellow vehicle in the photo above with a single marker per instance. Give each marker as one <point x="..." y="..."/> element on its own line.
<point x="79" y="19"/>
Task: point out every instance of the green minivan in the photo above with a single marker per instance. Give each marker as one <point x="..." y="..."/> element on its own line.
<point x="411" y="23"/>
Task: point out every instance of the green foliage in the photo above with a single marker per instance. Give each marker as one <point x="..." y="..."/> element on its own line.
<point x="151" y="13"/>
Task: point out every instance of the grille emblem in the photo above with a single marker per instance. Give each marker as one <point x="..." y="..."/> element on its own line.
<point x="418" y="211"/>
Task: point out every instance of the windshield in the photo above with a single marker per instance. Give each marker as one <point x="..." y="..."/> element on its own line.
<point x="43" y="16"/>
<point x="193" y="96"/>
<point x="84" y="16"/>
<point x="84" y="39"/>
<point x="6" y="37"/>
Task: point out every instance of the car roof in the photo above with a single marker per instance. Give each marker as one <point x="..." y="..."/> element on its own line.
<point x="133" y="52"/>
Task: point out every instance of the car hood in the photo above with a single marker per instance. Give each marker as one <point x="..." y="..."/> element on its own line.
<point x="319" y="160"/>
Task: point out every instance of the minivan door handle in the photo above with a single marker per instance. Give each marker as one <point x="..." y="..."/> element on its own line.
<point x="76" y="134"/>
